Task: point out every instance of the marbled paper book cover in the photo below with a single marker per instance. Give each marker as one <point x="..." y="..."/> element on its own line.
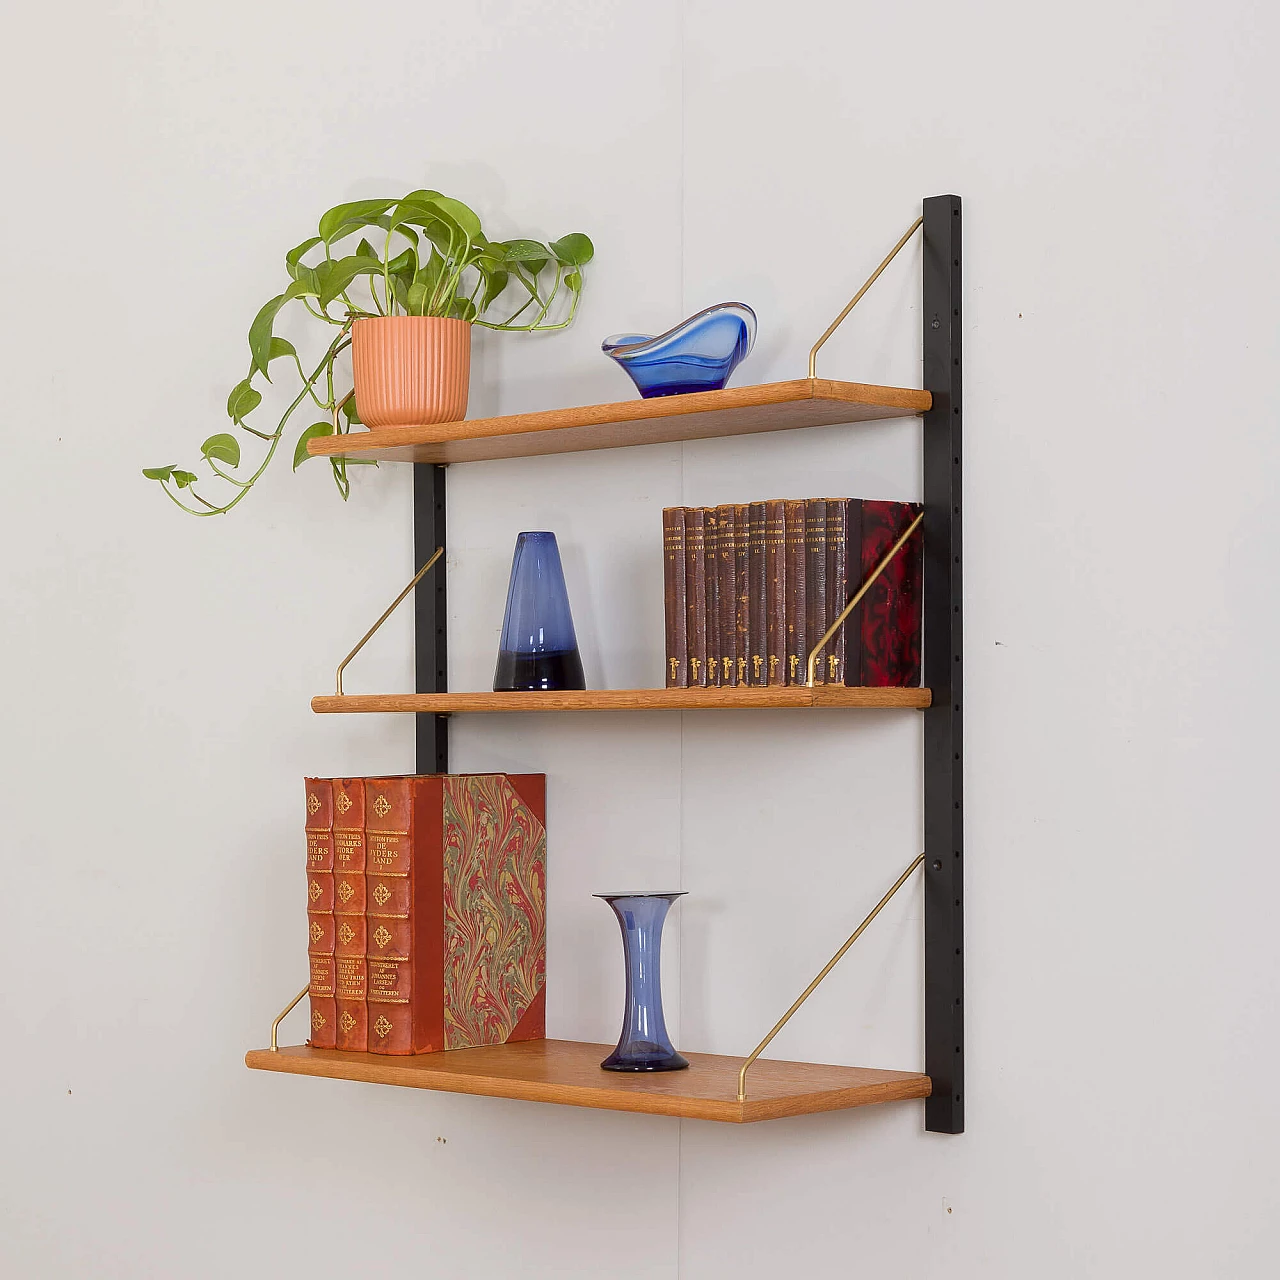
<point x="456" y="911"/>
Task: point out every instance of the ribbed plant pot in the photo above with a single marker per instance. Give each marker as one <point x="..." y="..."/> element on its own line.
<point x="410" y="370"/>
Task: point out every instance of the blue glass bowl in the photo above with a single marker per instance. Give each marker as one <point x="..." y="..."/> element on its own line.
<point x="699" y="354"/>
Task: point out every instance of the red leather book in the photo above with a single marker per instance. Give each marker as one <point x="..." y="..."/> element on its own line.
<point x="727" y="595"/>
<point x="712" y="554"/>
<point x="757" y="578"/>
<point x="320" y="928"/>
<point x="673" y="596"/>
<point x="775" y="598"/>
<point x="797" y="599"/>
<point x="695" y="534"/>
<point x="351" y="977"/>
<point x="833" y="656"/>
<point x="815" y="580"/>
<point x="456" y="879"/>
<point x="741" y="592"/>
<point x="891" y="609"/>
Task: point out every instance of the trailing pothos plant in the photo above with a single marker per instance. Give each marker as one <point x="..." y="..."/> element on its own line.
<point x="428" y="256"/>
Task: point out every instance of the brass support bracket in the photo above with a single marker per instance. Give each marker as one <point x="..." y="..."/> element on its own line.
<point x="853" y="604"/>
<point x="283" y="1014"/>
<point x="391" y="608"/>
<point x="857" y="297"/>
<point x="812" y="987"/>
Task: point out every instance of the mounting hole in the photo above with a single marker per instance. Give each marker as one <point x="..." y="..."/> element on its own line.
<point x="957" y="1002"/>
<point x="957" y="1048"/>
<point x="957" y="904"/>
<point x="956" y="409"/>
<point x="957" y="1097"/>
<point x="937" y="864"/>
<point x="956" y="312"/>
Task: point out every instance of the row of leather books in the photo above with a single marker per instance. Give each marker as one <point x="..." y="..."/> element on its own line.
<point x="426" y="911"/>
<point x="750" y="589"/>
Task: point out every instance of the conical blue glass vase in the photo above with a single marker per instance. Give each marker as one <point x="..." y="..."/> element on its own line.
<point x="644" y="1044"/>
<point x="699" y="354"/>
<point x="538" y="649"/>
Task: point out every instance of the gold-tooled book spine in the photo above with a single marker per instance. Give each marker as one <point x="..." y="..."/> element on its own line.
<point x="320" y="923"/>
<point x="815" y="584"/>
<point x="775" y="556"/>
<point x="712" y="575"/>
<point x="695" y="534"/>
<point x="351" y="974"/>
<point x="757" y="580"/>
<point x="674" y="598"/>
<point x="726" y="596"/>
<point x="797" y="602"/>
<point x="741" y="593"/>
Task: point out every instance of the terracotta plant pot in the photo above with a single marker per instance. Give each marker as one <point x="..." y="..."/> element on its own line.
<point x="410" y="370"/>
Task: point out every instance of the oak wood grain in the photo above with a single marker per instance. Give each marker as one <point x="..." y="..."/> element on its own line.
<point x="739" y="699"/>
<point x="770" y="406"/>
<point x="568" y="1072"/>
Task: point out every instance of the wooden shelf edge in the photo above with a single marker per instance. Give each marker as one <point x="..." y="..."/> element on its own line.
<point x="567" y="1073"/>
<point x="778" y="699"/>
<point x="768" y="406"/>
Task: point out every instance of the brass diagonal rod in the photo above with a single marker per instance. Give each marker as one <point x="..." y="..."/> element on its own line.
<point x="813" y="986"/>
<point x="853" y="604"/>
<point x="284" y="1013"/>
<point x="391" y="608"/>
<point x="857" y="297"/>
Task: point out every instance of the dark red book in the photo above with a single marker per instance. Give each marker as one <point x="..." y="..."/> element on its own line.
<point x="673" y="597"/>
<point x="757" y="580"/>
<point x="891" y="609"/>
<point x="351" y="975"/>
<point x="320" y="927"/>
<point x="726" y="595"/>
<point x="741" y="591"/>
<point x="797" y="595"/>
<point x="775" y="555"/>
<point x="695" y="534"/>
<point x="815" y="584"/>
<point x="833" y="655"/>
<point x="456" y="877"/>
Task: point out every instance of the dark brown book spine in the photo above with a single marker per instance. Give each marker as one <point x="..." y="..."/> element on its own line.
<point x="695" y="535"/>
<point x="833" y="655"/>
<point x="320" y="926"/>
<point x="815" y="583"/>
<point x="797" y="597"/>
<point x="757" y="580"/>
<point x="712" y="546"/>
<point x="775" y="555"/>
<point x="741" y="594"/>
<point x="852" y="629"/>
<point x="351" y="971"/>
<point x="726" y="597"/>
<point x="673" y="595"/>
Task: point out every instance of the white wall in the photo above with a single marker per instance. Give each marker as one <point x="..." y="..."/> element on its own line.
<point x="1117" y="167"/>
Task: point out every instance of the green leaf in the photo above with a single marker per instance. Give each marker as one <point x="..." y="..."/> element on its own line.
<point x="523" y="250"/>
<point x="157" y="473"/>
<point x="460" y="214"/>
<point x="313" y="432"/>
<point x="417" y="299"/>
<point x="574" y="250"/>
<point x="281" y="347"/>
<point x="421" y="197"/>
<point x="343" y="272"/>
<point x="495" y="282"/>
<point x="294" y="256"/>
<point x="242" y="401"/>
<point x="351" y="413"/>
<point x="224" y="447"/>
<point x="260" y="332"/>
<point x="401" y="289"/>
<point x="406" y="261"/>
<point x="574" y="281"/>
<point x="185" y="478"/>
<point x="463" y="309"/>
<point x="365" y="250"/>
<point x="358" y="213"/>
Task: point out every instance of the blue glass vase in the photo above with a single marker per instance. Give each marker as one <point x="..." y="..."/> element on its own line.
<point x="644" y="1044"/>
<point x="538" y="649"/>
<point x="699" y="354"/>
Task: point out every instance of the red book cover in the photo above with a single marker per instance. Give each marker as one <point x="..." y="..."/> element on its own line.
<point x="797" y="597"/>
<point x="695" y="534"/>
<point x="891" y="609"/>
<point x="727" y="595"/>
<point x="673" y="596"/>
<point x="741" y="591"/>
<point x="775" y="599"/>
<point x="351" y="976"/>
<point x="456" y="879"/>
<point x="757" y="579"/>
<point x="320" y="927"/>
<point x="712" y="554"/>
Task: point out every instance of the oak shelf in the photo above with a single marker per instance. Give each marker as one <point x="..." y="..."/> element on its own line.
<point x="749" y="699"/>
<point x="568" y="1072"/>
<point x="702" y="415"/>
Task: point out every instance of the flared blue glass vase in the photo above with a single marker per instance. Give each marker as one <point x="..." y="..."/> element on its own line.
<point x="538" y="649"/>
<point x="699" y="354"/>
<point x="644" y="1044"/>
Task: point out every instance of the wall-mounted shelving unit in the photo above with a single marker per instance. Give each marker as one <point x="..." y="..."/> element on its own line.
<point x="569" y="1072"/>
